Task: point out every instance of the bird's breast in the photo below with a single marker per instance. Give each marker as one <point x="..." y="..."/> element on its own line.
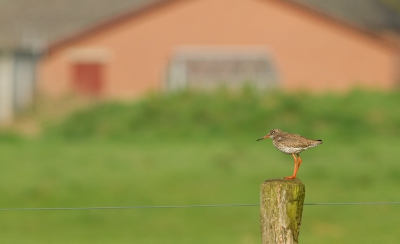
<point x="287" y="149"/>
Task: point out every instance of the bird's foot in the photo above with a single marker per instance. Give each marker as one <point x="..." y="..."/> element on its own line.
<point x="289" y="177"/>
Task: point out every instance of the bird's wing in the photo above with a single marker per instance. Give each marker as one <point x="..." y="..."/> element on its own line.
<point x="296" y="141"/>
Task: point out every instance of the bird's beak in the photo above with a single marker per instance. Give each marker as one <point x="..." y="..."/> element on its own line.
<point x="262" y="138"/>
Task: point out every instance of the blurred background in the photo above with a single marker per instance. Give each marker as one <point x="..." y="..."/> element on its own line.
<point x="160" y="102"/>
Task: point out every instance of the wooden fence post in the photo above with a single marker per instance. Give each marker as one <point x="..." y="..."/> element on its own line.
<point x="281" y="203"/>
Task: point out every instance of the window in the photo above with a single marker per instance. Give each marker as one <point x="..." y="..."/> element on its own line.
<point x="205" y="67"/>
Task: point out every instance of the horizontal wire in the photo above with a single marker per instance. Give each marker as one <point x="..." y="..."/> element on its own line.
<point x="190" y="206"/>
<point x="132" y="207"/>
<point x="352" y="203"/>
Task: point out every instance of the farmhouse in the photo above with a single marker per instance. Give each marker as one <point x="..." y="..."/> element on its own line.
<point x="124" y="48"/>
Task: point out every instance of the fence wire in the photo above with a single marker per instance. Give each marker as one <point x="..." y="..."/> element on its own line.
<point x="189" y="206"/>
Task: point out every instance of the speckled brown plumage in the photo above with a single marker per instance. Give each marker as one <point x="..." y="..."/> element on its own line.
<point x="291" y="144"/>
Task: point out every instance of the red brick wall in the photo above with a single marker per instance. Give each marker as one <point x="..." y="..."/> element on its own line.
<point x="311" y="52"/>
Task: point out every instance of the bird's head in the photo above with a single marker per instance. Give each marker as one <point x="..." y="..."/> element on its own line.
<point x="271" y="134"/>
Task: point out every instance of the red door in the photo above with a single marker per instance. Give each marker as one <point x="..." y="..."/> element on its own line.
<point x="87" y="78"/>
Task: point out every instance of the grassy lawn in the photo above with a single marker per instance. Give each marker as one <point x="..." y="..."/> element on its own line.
<point x="201" y="149"/>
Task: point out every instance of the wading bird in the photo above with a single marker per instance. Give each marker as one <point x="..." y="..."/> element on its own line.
<point x="291" y="144"/>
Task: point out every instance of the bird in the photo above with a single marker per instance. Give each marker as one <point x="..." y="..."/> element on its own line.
<point x="291" y="144"/>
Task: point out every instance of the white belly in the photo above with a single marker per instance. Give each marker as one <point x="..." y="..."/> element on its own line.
<point x="290" y="150"/>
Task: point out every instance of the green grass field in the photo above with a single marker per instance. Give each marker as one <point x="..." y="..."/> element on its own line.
<point x="192" y="148"/>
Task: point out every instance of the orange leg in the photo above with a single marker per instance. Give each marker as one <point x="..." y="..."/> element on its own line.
<point x="297" y="162"/>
